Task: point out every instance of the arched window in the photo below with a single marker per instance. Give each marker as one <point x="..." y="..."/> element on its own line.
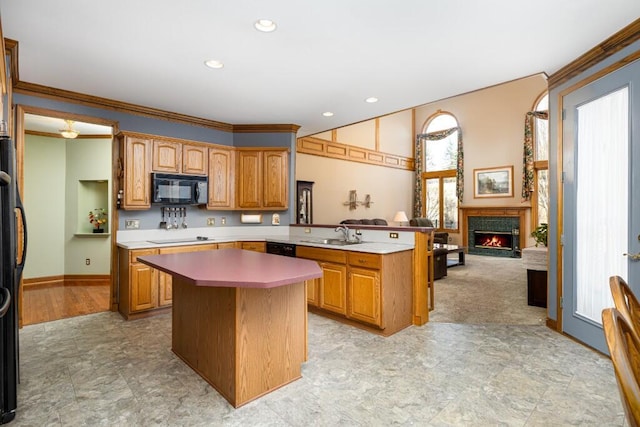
<point x="439" y="176"/>
<point x="540" y="196"/>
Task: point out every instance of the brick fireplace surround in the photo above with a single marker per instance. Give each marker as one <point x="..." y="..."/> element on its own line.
<point x="503" y="211"/>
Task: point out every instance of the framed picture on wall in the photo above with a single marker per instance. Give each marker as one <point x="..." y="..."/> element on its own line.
<point x="493" y="182"/>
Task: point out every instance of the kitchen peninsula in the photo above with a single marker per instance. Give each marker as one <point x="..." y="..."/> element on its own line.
<point x="239" y="317"/>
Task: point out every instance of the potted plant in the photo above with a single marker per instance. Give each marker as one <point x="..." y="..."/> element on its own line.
<point x="97" y="217"/>
<point x="540" y="234"/>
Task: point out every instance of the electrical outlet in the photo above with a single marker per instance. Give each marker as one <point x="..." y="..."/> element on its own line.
<point x="87" y="261"/>
<point x="132" y="224"/>
<point x="223" y="221"/>
<point x="308" y="230"/>
<point x="358" y="232"/>
<point x="211" y="221"/>
<point x="393" y="235"/>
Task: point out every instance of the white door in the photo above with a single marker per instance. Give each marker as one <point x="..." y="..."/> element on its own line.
<point x="601" y="145"/>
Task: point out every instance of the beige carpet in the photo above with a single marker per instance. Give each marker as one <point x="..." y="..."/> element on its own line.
<point x="485" y="290"/>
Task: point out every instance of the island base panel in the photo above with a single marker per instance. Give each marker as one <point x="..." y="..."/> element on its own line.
<point x="245" y="342"/>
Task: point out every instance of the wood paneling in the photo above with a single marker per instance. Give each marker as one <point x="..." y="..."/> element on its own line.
<point x="245" y="342"/>
<point x="336" y="150"/>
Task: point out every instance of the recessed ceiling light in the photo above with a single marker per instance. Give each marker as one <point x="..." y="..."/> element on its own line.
<point x="371" y="100"/>
<point x="265" y="25"/>
<point x="327" y="114"/>
<point x="212" y="63"/>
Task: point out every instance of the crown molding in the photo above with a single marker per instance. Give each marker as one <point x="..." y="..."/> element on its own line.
<point x="618" y="41"/>
<point x="282" y="128"/>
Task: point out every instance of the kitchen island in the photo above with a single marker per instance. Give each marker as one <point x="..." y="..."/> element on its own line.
<point x="239" y="317"/>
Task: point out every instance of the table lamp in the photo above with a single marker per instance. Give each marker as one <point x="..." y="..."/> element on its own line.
<point x="400" y="217"/>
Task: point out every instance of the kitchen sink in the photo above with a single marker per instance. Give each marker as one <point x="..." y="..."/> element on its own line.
<point x="336" y="242"/>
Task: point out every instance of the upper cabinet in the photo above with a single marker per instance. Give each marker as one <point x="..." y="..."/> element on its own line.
<point x="177" y="157"/>
<point x="238" y="178"/>
<point x="262" y="179"/>
<point x="221" y="178"/>
<point x="134" y="174"/>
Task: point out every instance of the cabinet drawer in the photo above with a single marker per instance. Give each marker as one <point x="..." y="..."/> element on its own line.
<point x="254" y="246"/>
<point x="190" y="248"/>
<point x="360" y="259"/>
<point x="134" y="254"/>
<point x="320" y="254"/>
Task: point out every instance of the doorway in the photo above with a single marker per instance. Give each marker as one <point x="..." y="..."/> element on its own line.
<point x="67" y="186"/>
<point x="600" y="216"/>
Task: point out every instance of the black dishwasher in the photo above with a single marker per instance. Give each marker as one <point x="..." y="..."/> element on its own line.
<point x="281" y="248"/>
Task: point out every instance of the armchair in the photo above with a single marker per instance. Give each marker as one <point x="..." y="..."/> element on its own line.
<point x="438" y="237"/>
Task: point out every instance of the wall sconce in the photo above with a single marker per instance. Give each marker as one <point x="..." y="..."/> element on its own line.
<point x="400" y="217"/>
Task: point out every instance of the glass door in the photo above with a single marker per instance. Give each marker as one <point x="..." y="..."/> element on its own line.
<point x="599" y="152"/>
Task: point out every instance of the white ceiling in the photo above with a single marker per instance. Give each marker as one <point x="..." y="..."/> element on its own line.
<point x="326" y="55"/>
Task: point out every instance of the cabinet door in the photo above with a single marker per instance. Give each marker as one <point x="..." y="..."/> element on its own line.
<point x="249" y="179"/>
<point x="363" y="291"/>
<point x="195" y="159"/>
<point x="313" y="287"/>
<point x="143" y="281"/>
<point x="333" y="288"/>
<point x="275" y="179"/>
<point x="167" y="156"/>
<point x="254" y="246"/>
<point x="228" y="245"/>
<point x="137" y="159"/>
<point x="221" y="178"/>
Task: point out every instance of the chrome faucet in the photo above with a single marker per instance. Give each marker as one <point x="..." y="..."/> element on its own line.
<point x="345" y="231"/>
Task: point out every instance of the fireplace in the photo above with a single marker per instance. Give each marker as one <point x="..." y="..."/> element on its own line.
<point x="493" y="231"/>
<point x="501" y="240"/>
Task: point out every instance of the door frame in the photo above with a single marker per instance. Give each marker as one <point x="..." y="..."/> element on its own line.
<point x="560" y="171"/>
<point x="19" y="136"/>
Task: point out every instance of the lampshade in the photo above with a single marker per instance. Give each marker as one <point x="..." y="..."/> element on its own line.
<point x="400" y="217"/>
<point x="69" y="132"/>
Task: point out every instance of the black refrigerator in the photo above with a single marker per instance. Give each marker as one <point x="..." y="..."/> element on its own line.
<point x="11" y="211"/>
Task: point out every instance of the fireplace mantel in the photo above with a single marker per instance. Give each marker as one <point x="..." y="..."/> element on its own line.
<point x="501" y="211"/>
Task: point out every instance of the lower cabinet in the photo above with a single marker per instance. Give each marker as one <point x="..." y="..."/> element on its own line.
<point x="372" y="289"/>
<point x="254" y="246"/>
<point x="143" y="289"/>
<point x="333" y="287"/>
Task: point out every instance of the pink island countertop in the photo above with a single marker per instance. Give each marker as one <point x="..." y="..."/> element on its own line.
<point x="234" y="268"/>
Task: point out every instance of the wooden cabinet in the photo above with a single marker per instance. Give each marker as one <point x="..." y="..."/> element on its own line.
<point x="177" y="157"/>
<point x="221" y="178"/>
<point x="167" y="156"/>
<point x="137" y="281"/>
<point x="313" y="289"/>
<point x="143" y="289"/>
<point x="254" y="246"/>
<point x="333" y="287"/>
<point x="134" y="178"/>
<point x="275" y="179"/>
<point x="195" y="159"/>
<point x="228" y="245"/>
<point x="372" y="289"/>
<point x="262" y="179"/>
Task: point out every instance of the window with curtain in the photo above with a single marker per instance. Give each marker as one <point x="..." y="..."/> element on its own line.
<point x="440" y="169"/>
<point x="540" y="195"/>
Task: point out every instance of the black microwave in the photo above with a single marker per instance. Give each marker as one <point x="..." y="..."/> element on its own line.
<point x="172" y="189"/>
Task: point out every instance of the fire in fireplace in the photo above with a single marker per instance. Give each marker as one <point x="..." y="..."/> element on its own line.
<point x="493" y="239"/>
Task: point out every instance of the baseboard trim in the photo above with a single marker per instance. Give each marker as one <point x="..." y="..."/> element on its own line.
<point x="67" y="280"/>
<point x="552" y="324"/>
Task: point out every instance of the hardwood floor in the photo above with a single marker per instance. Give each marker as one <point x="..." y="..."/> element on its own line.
<point x="47" y="303"/>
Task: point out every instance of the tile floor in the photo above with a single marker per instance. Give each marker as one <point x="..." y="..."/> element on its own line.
<point x="99" y="370"/>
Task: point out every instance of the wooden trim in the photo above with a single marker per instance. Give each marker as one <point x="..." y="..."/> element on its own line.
<point x="11" y="49"/>
<point x="41" y="91"/>
<point x="336" y="150"/>
<point x="506" y="211"/>
<point x="423" y="284"/>
<point x="282" y="128"/>
<point x="179" y="140"/>
<point x="377" y="133"/>
<point x="552" y="324"/>
<point x="67" y="280"/>
<point x="57" y="135"/>
<point x="600" y="52"/>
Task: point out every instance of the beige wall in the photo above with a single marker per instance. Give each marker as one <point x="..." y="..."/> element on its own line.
<point x="492" y="122"/>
